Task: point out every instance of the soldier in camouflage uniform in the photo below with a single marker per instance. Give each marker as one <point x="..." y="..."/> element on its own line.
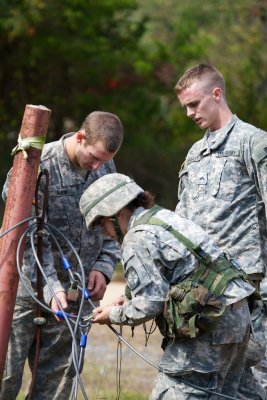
<point x="74" y="163"/>
<point x="223" y="182"/>
<point x="260" y="370"/>
<point x="153" y="259"/>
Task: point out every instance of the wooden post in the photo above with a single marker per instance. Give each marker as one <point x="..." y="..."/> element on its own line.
<point x="18" y="207"/>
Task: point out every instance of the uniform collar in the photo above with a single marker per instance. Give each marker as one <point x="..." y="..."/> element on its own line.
<point x="220" y="136"/>
<point x="137" y="213"/>
<point x="68" y="174"/>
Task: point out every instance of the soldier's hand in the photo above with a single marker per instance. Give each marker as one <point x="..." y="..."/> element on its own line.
<point x="119" y="301"/>
<point x="97" y="285"/>
<point x="102" y="315"/>
<point x="62" y="299"/>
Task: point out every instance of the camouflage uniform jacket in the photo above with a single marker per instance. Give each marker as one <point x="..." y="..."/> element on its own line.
<point x="97" y="252"/>
<point x="153" y="259"/>
<point x="223" y="188"/>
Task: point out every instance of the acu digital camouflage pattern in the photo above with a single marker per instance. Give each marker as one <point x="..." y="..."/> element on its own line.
<point x="223" y="188"/>
<point x="55" y="370"/>
<point x="96" y="251"/>
<point x="107" y="196"/>
<point x="260" y="370"/>
<point x="153" y="259"/>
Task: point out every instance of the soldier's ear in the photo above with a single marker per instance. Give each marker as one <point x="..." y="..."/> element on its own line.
<point x="217" y="93"/>
<point x="80" y="136"/>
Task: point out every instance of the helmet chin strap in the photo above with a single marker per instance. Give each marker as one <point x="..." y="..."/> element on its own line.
<point x="117" y="229"/>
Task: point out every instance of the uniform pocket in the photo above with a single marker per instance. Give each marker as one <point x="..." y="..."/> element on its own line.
<point x="233" y="324"/>
<point x="224" y="178"/>
<point x="216" y="177"/>
<point x="183" y="176"/>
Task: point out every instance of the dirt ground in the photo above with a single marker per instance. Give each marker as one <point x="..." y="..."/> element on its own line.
<point x="101" y="357"/>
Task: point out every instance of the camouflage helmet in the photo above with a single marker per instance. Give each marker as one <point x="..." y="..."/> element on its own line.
<point x="108" y="195"/>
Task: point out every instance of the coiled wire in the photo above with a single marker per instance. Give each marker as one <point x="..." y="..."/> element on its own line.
<point x="77" y="323"/>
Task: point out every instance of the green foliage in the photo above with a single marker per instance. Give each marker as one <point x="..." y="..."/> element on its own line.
<point x="64" y="54"/>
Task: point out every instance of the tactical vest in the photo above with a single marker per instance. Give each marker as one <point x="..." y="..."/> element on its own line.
<point x="195" y="304"/>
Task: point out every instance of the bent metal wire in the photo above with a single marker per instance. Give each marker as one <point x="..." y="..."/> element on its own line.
<point x="76" y="323"/>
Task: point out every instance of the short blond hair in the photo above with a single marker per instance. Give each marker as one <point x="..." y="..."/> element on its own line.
<point x="201" y="72"/>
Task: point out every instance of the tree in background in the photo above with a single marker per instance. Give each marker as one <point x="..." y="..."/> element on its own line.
<point x="125" y="56"/>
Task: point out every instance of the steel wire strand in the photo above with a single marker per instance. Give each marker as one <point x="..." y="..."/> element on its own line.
<point x="153" y="364"/>
<point x="72" y="248"/>
<point x="82" y="285"/>
<point x="32" y="230"/>
<point x="74" y="331"/>
<point x="30" y="290"/>
<point x="74" y="390"/>
<point x="118" y="367"/>
<point x="16" y="226"/>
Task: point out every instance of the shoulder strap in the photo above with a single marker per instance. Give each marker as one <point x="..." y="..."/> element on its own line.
<point x="148" y="218"/>
<point x="214" y="276"/>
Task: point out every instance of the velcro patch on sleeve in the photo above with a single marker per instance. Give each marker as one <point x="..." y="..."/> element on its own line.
<point x="259" y="152"/>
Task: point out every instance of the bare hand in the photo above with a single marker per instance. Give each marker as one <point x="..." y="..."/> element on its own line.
<point x="97" y="285"/>
<point x="119" y="301"/>
<point x="62" y="299"/>
<point x="102" y="315"/>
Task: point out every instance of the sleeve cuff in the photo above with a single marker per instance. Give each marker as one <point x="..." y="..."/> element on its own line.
<point x="116" y="315"/>
<point x="48" y="295"/>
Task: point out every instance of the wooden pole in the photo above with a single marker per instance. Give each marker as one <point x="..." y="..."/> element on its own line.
<point x="18" y="207"/>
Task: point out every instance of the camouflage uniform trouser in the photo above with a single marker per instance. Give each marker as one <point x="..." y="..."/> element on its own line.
<point x="54" y="373"/>
<point x="253" y="383"/>
<point x="260" y="370"/>
<point x="224" y="381"/>
<point x="231" y="361"/>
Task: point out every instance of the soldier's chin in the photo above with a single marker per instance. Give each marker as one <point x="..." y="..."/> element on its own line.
<point x="201" y="123"/>
<point x="86" y="167"/>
